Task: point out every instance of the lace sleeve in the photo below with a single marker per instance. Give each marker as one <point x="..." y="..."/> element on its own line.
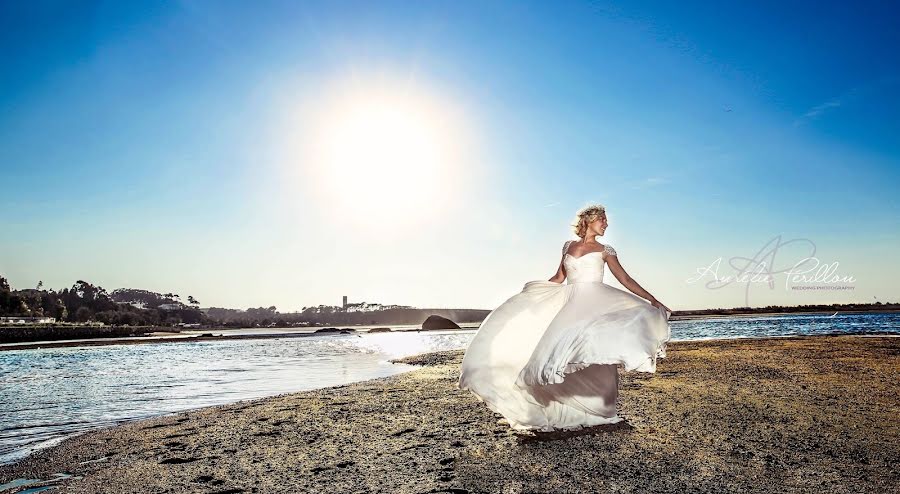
<point x="566" y="247"/>
<point x="609" y="250"/>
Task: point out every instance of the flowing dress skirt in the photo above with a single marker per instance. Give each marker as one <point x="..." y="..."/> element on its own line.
<point x="547" y="358"/>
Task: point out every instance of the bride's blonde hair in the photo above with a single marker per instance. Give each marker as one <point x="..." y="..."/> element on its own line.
<point x="585" y="216"/>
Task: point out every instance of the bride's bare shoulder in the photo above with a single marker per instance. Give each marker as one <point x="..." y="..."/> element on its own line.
<point x="584" y="249"/>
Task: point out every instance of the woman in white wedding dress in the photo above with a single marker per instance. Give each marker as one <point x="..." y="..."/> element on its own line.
<point x="546" y="359"/>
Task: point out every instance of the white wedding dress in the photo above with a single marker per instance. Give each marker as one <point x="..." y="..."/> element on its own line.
<point x="546" y="358"/>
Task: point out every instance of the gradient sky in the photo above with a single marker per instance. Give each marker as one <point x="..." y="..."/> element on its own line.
<point x="154" y="145"/>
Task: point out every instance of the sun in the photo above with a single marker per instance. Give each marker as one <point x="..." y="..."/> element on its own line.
<point x="384" y="157"/>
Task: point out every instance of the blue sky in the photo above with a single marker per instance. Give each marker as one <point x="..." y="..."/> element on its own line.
<point x="154" y="145"/>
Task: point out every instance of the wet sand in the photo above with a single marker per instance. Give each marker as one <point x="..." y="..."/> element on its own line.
<point x="797" y="414"/>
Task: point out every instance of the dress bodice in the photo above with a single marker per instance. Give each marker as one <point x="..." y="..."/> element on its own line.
<point x="589" y="268"/>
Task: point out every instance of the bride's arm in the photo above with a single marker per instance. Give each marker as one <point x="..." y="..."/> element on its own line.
<point x="560" y="274"/>
<point x="625" y="279"/>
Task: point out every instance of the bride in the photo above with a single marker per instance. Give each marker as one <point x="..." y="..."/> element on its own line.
<point x="547" y="358"/>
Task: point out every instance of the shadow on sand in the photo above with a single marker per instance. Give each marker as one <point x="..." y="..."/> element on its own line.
<point x="620" y="427"/>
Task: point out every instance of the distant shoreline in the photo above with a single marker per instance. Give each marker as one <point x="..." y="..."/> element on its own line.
<point x="793" y="313"/>
<point x="132" y="340"/>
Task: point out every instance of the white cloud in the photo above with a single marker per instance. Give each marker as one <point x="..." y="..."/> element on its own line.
<point x="819" y="109"/>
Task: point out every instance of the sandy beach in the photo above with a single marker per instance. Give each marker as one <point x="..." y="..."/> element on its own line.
<point x="796" y="414"/>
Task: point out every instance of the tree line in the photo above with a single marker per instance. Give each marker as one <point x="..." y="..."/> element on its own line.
<point x="85" y="302"/>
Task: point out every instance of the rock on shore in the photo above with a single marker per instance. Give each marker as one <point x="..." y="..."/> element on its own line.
<point x="433" y="322"/>
<point x="804" y="414"/>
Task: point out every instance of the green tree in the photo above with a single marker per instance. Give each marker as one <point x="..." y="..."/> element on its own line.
<point x="83" y="314"/>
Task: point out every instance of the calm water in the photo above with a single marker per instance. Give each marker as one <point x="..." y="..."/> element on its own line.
<point x="49" y="394"/>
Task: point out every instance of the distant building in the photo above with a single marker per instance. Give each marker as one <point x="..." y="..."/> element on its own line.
<point x="367" y="307"/>
<point x="170" y="306"/>
<point x="27" y="320"/>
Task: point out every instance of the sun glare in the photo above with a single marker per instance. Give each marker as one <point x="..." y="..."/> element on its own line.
<point x="386" y="158"/>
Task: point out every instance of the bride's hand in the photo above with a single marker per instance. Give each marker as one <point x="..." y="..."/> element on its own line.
<point x="657" y="303"/>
